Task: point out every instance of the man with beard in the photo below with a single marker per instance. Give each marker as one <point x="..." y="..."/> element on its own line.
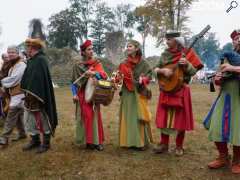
<point x="11" y="83"/>
<point x="223" y="119"/>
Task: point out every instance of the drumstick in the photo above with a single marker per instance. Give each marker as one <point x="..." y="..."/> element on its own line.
<point x="78" y="79"/>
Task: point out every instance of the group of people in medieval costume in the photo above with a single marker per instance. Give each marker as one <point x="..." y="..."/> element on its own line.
<point x="174" y="113"/>
<point x="27" y="97"/>
<point x="32" y="108"/>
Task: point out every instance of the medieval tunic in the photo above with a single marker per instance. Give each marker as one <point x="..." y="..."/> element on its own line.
<point x="40" y="108"/>
<point x="15" y="113"/>
<point x="174" y="111"/>
<point x="89" y="128"/>
<point x="16" y="75"/>
<point x="134" y="113"/>
<point x="223" y="119"/>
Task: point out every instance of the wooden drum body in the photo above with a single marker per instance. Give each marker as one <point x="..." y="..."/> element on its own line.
<point x="99" y="91"/>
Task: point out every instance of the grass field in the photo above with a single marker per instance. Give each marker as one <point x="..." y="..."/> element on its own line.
<point x="65" y="160"/>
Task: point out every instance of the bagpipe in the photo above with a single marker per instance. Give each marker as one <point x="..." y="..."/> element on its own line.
<point x="232" y="58"/>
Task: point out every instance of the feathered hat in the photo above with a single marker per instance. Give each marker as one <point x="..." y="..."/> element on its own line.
<point x="36" y="37"/>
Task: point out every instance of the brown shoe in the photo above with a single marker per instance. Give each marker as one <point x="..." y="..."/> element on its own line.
<point x="220" y="162"/>
<point x="179" y="151"/>
<point x="161" y="148"/>
<point x="236" y="168"/>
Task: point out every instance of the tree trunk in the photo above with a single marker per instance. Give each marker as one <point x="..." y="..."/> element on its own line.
<point x="143" y="44"/>
<point x="171" y="14"/>
<point x="179" y="14"/>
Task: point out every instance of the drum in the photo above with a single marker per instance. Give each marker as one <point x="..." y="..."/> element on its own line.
<point x="99" y="91"/>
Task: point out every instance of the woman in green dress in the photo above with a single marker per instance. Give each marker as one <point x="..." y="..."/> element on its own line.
<point x="134" y="131"/>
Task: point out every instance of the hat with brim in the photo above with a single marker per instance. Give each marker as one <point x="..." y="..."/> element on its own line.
<point x="35" y="42"/>
<point x="180" y="40"/>
<point x="172" y="34"/>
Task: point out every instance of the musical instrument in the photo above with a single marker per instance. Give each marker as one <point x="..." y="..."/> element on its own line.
<point x="232" y="58"/>
<point x="176" y="81"/>
<point x="117" y="79"/>
<point x="99" y="91"/>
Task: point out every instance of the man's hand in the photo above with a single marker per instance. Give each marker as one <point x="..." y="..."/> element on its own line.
<point x="167" y="72"/>
<point x="157" y="70"/>
<point x="227" y="68"/>
<point x="183" y="62"/>
<point x="164" y="71"/>
<point x="218" y="78"/>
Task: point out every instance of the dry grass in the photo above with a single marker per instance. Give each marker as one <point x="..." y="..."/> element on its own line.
<point x="67" y="161"/>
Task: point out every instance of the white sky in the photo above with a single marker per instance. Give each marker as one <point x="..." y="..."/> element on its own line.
<point x="15" y="16"/>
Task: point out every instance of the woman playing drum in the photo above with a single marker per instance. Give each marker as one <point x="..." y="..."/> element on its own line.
<point x="89" y="128"/>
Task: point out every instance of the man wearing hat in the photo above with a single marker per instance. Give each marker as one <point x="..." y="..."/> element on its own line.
<point x="11" y="83"/>
<point x="40" y="108"/>
<point x="89" y="128"/>
<point x="223" y="119"/>
<point x="174" y="111"/>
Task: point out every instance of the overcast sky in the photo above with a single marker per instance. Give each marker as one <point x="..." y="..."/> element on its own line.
<point x="15" y="16"/>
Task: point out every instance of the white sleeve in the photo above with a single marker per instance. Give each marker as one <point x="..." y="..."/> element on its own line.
<point x="15" y="77"/>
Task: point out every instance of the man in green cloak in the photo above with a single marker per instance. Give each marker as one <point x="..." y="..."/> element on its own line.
<point x="40" y="109"/>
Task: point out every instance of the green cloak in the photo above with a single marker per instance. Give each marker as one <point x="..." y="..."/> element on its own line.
<point x="37" y="82"/>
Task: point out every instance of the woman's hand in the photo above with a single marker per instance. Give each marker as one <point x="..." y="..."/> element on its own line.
<point x="90" y="73"/>
<point x="75" y="99"/>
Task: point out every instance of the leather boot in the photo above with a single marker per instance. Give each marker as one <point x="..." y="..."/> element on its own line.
<point x="45" y="145"/>
<point x="223" y="158"/>
<point x="221" y="161"/>
<point x="34" y="143"/>
<point x="236" y="160"/>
